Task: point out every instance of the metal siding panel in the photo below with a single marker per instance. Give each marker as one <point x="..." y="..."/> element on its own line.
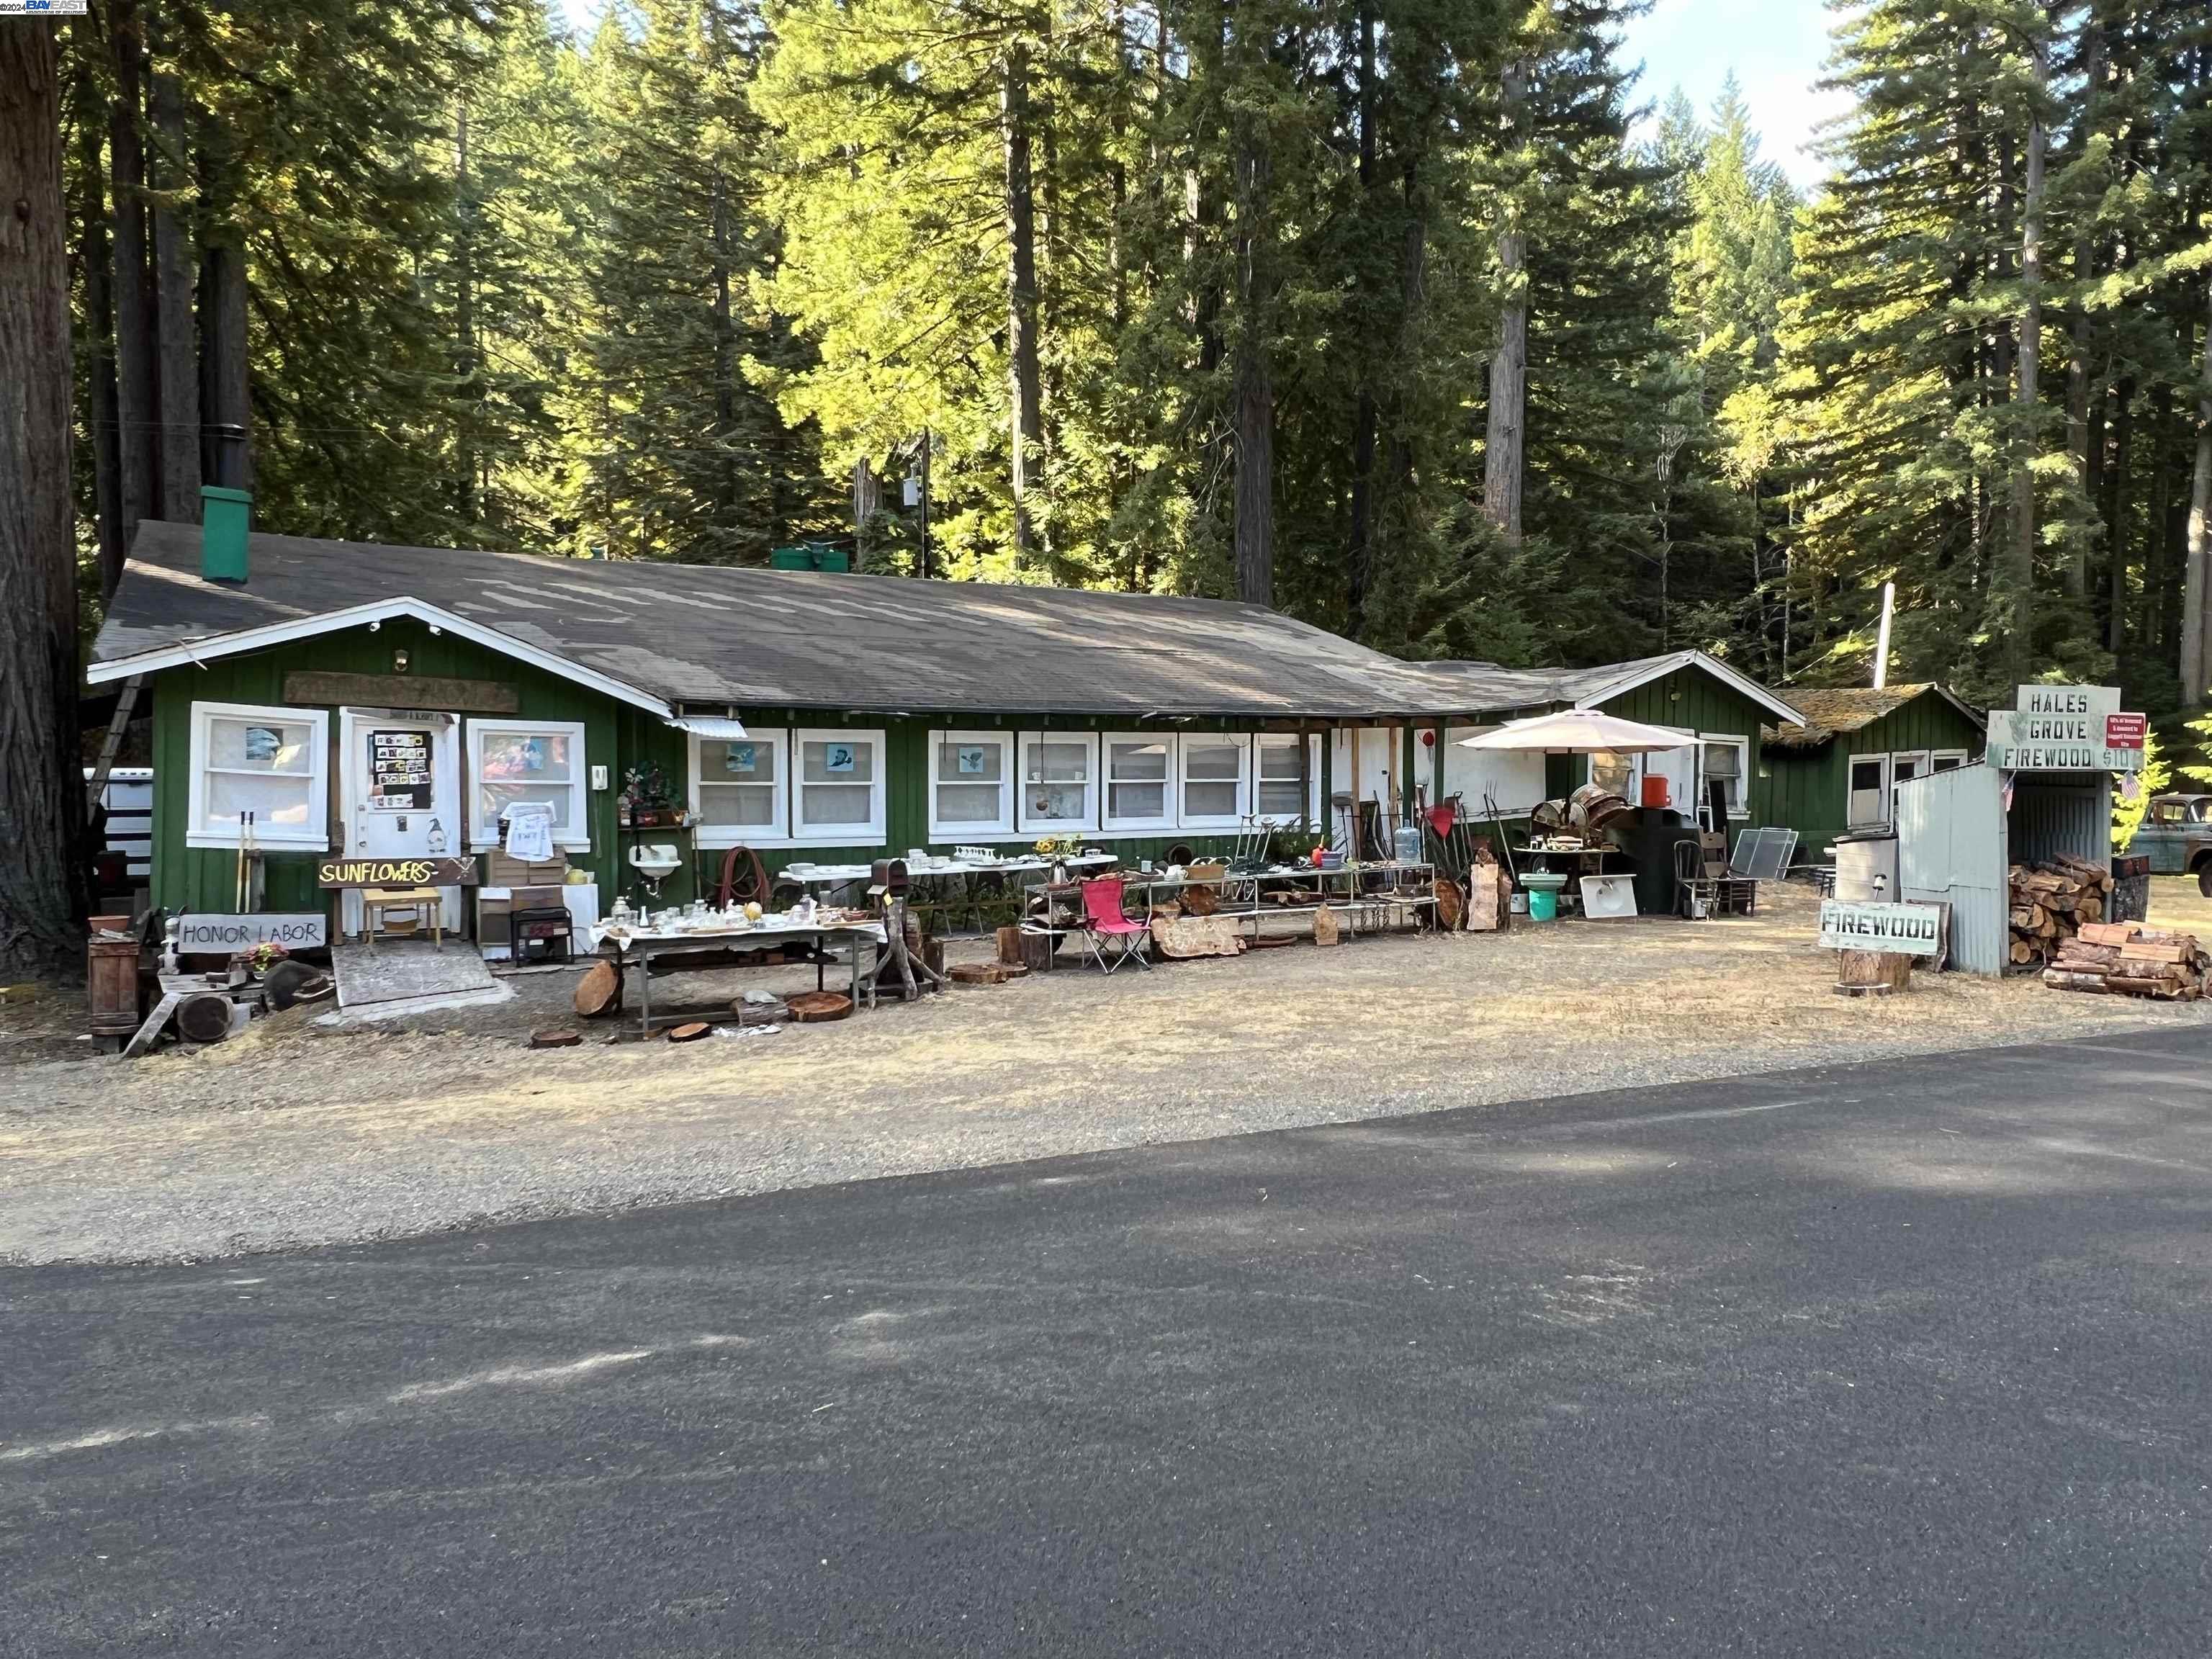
<point x="2052" y="817"/>
<point x="1951" y="850"/>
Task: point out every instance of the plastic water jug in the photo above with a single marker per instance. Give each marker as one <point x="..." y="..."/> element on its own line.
<point x="1407" y="843"/>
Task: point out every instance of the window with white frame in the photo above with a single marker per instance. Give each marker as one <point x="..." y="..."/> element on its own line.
<point x="837" y="778"/>
<point x="1725" y="761"/>
<point x="1216" y="776"/>
<point x="1906" y="765"/>
<point x="1059" y="781"/>
<point x="1868" y="801"/>
<point x="272" y="763"/>
<point x="971" y="784"/>
<point x="1947" y="760"/>
<point x="516" y="761"/>
<point x="740" y="789"/>
<point x="1139" y="770"/>
<point x="1617" y="773"/>
<point x="1284" y="792"/>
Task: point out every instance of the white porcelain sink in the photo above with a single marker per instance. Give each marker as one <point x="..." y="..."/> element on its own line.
<point x="656" y="860"/>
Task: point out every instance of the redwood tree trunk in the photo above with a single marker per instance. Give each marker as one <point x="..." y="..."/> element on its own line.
<point x="2022" y="562"/>
<point x="172" y="303"/>
<point x="1506" y="442"/>
<point x="41" y="796"/>
<point x="93" y="257"/>
<point x="1255" y="385"/>
<point x="1026" y="421"/>
<point x="1364" y="413"/>
<point x="137" y="397"/>
<point x="2195" y="647"/>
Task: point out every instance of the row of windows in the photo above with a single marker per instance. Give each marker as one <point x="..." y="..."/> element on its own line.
<point x="1004" y="785"/>
<point x="274" y="763"/>
<point x="1875" y="776"/>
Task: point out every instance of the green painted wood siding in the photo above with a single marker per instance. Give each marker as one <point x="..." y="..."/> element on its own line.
<point x="1808" y="790"/>
<point x="205" y="878"/>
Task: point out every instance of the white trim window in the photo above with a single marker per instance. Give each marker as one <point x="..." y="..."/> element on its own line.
<point x="741" y="789"/>
<point x="1276" y="796"/>
<point x="1907" y="764"/>
<point x="1947" y="760"/>
<point x="1214" y="779"/>
<point x="1866" y="783"/>
<point x="971" y="785"/>
<point x="273" y="763"/>
<point x="1140" y="780"/>
<point x="1725" y="759"/>
<point x="837" y="788"/>
<point x="543" y="761"/>
<point x="1059" y="782"/>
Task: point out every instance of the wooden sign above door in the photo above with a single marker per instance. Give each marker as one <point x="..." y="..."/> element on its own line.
<point x="313" y="687"/>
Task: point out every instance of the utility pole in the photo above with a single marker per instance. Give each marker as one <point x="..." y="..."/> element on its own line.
<point x="925" y="503"/>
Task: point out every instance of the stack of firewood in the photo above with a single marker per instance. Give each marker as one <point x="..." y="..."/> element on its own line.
<point x="2125" y="959"/>
<point x="2050" y="904"/>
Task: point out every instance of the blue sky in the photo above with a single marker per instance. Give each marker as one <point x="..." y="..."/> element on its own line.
<point x="1776" y="48"/>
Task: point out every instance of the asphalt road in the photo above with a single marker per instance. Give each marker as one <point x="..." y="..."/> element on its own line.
<point x="1902" y="1360"/>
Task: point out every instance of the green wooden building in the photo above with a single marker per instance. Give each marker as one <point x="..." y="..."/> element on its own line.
<point x="390" y="703"/>
<point x="1837" y="771"/>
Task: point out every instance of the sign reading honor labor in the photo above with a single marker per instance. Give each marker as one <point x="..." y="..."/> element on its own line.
<point x="396" y="872"/>
<point x="1900" y="930"/>
<point x="207" y="935"/>
<point x="2066" y="728"/>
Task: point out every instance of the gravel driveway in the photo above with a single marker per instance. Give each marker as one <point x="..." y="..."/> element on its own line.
<point x="294" y="1135"/>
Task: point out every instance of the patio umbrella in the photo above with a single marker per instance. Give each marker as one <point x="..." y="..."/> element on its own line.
<point x="1577" y="732"/>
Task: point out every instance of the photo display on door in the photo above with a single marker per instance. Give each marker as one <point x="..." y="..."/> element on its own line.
<point x="399" y="771"/>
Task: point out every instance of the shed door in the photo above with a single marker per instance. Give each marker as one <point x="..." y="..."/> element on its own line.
<point x="1951" y="850"/>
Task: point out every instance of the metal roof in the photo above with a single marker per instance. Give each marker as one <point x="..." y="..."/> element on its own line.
<point x="713" y="636"/>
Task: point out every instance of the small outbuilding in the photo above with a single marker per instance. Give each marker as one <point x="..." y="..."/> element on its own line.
<point x="1838" y="772"/>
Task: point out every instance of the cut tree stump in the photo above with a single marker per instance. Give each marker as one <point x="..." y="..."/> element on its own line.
<point x="598" y="990"/>
<point x="811" y="1007"/>
<point x="1871" y="973"/>
<point x="690" y="1031"/>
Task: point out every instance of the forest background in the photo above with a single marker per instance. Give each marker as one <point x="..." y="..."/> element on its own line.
<point x="1413" y="318"/>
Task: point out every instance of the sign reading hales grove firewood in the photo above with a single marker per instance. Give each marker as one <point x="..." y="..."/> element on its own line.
<point x="1900" y="930"/>
<point x="396" y="872"/>
<point x="2066" y="728"/>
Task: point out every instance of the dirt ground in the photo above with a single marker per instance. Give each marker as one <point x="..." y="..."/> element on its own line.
<point x="297" y="1132"/>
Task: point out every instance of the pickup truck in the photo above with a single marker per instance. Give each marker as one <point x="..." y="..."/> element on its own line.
<point x="2177" y="834"/>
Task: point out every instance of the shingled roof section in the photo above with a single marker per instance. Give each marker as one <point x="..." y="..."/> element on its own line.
<point x="1830" y="711"/>
<point x="709" y="635"/>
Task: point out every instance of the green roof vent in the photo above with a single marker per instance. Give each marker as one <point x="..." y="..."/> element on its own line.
<point x="810" y="556"/>
<point x="226" y="516"/>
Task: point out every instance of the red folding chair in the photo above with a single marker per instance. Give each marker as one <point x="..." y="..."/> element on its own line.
<point x="1103" y="920"/>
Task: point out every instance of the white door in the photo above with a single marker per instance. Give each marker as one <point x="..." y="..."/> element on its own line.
<point x="400" y="793"/>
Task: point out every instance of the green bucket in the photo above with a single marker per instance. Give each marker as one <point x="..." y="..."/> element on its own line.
<point x="1543" y="887"/>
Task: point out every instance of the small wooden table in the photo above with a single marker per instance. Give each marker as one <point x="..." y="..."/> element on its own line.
<point x="641" y="945"/>
<point x="374" y="900"/>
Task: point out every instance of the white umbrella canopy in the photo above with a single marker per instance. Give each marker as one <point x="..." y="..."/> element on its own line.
<point x="1578" y="732"/>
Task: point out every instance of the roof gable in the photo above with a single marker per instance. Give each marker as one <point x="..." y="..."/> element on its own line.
<point x="1833" y="711"/>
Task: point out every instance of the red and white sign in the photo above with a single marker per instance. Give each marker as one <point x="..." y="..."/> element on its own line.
<point x="2125" y="731"/>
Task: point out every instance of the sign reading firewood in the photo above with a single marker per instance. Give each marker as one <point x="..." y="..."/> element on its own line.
<point x="1876" y="945"/>
<point x="1912" y="930"/>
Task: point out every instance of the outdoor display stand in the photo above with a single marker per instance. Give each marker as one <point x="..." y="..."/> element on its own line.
<point x="625" y="943"/>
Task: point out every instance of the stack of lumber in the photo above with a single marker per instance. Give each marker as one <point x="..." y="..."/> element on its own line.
<point x="2125" y="959"/>
<point x="2050" y="904"/>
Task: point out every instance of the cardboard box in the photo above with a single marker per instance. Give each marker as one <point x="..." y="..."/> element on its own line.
<point x="501" y="870"/>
